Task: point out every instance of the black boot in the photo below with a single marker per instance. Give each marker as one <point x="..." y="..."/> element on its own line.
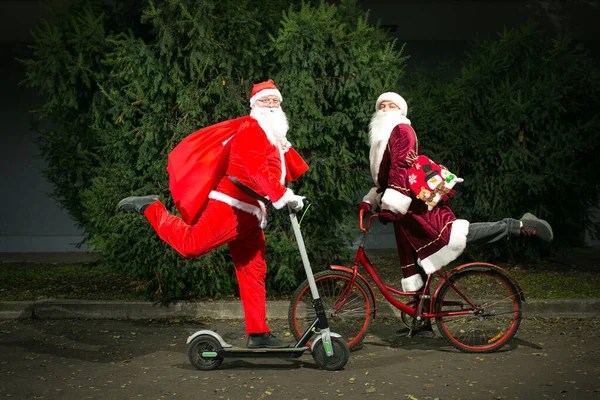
<point x="137" y="203"/>
<point x="533" y="226"/>
<point x="265" y="340"/>
<point x="421" y="328"/>
<point x="425" y="330"/>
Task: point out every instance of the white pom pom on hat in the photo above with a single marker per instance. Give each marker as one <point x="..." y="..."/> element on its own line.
<point x="394" y="98"/>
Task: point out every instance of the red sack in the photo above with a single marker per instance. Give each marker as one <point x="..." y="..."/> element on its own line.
<point x="294" y="165"/>
<point x="197" y="164"/>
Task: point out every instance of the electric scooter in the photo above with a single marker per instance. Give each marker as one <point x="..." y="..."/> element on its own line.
<point x="207" y="349"/>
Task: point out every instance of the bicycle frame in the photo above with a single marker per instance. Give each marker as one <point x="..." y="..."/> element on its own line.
<point x="388" y="292"/>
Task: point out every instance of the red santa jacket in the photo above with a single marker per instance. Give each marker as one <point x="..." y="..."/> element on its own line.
<point x="262" y="166"/>
<point x="199" y="164"/>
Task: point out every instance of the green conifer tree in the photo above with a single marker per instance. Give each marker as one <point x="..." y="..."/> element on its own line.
<point x="130" y="95"/>
<point x="519" y="124"/>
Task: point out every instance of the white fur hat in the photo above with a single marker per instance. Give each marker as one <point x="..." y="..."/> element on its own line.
<point x="394" y="98"/>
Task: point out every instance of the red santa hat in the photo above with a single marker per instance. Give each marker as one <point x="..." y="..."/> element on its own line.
<point x="394" y="98"/>
<point x="263" y="89"/>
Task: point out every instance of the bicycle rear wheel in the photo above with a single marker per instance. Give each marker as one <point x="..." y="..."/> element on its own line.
<point x="350" y="321"/>
<point x="492" y="322"/>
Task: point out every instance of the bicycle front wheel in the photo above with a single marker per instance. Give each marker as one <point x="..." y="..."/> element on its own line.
<point x="351" y="320"/>
<point x="494" y="306"/>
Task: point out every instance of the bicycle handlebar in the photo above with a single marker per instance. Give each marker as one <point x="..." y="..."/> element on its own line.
<point x="361" y="215"/>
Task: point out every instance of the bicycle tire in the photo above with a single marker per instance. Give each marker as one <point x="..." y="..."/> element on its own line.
<point x="497" y="317"/>
<point x="351" y="321"/>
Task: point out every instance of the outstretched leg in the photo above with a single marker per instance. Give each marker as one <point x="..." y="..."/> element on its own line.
<point x="217" y="225"/>
<point x="137" y="203"/>
<point x="529" y="225"/>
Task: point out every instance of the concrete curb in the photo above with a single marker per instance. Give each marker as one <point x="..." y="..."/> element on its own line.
<point x="16" y="309"/>
<point x="139" y="310"/>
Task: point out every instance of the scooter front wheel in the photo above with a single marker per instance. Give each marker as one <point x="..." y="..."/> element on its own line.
<point x="202" y="353"/>
<point x="341" y="353"/>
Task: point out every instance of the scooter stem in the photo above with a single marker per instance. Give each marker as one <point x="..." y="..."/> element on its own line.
<point x="309" y="274"/>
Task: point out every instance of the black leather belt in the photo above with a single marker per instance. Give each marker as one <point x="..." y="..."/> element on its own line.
<point x="249" y="191"/>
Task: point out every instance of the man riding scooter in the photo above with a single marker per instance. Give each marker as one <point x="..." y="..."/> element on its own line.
<point x="253" y="162"/>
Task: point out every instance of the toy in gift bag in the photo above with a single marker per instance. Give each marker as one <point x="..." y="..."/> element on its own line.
<point x="429" y="181"/>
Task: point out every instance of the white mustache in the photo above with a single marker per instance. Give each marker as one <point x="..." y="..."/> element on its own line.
<point x="272" y="120"/>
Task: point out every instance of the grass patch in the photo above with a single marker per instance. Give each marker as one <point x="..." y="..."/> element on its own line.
<point x="558" y="285"/>
<point x="24" y="281"/>
<point x="573" y="274"/>
<point x="544" y="280"/>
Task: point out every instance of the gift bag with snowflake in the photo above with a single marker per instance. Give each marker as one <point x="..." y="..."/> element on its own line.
<point x="429" y="181"/>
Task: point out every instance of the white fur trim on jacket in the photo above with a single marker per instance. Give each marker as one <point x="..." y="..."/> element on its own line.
<point x="282" y="159"/>
<point x="395" y="201"/>
<point x="448" y="253"/>
<point x="258" y="212"/>
<point x="266" y="92"/>
<point x="412" y="283"/>
<point x="284" y="199"/>
<point x="375" y="157"/>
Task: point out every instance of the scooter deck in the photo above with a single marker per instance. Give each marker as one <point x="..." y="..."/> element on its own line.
<point x="235" y="349"/>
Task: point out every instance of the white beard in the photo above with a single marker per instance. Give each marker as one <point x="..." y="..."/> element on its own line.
<point x="273" y="121"/>
<point x="382" y="123"/>
<point x="380" y="129"/>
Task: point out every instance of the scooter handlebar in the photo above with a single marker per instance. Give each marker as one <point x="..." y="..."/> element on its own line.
<point x="293" y="205"/>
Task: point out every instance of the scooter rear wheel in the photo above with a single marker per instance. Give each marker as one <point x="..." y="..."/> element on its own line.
<point x="202" y="353"/>
<point x="341" y="353"/>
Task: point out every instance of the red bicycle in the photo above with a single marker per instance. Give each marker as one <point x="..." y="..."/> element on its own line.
<point x="476" y="306"/>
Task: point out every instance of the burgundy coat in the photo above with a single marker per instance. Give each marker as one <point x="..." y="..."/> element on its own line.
<point x="437" y="236"/>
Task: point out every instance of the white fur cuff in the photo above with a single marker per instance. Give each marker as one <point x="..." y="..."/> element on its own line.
<point x="412" y="283"/>
<point x="371" y="197"/>
<point x="284" y="199"/>
<point x="450" y="252"/>
<point x="395" y="201"/>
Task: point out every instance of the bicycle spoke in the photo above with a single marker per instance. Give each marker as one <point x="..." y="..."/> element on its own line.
<point x="494" y="318"/>
<point x="348" y="311"/>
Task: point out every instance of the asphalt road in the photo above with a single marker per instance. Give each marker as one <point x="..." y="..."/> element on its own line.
<point x="113" y="359"/>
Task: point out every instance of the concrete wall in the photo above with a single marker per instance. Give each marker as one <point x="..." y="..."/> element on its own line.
<point x="29" y="220"/>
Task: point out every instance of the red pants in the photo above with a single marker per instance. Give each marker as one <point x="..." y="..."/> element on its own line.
<point x="220" y="223"/>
